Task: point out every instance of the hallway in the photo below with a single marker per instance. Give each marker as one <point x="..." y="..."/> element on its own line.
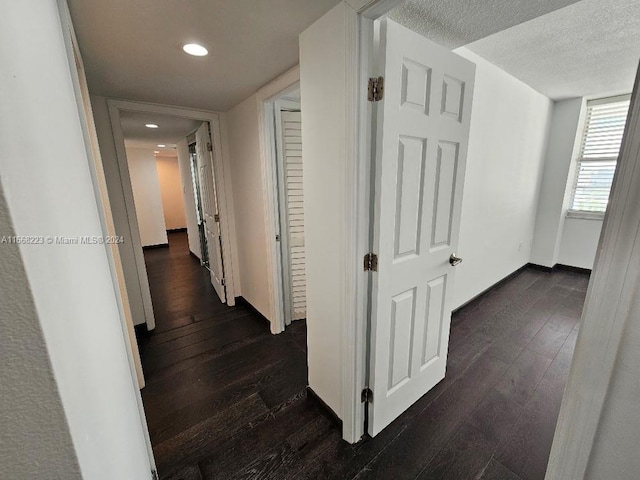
<point x="226" y="399"/>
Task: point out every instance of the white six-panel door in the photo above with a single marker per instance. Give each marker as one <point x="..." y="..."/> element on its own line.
<point x="210" y="208"/>
<point x="421" y="148"/>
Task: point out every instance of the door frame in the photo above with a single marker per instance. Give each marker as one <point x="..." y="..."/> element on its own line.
<point x="266" y="98"/>
<point x="222" y="176"/>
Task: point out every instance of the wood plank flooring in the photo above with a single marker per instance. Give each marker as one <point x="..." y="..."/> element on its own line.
<point x="225" y="399"/>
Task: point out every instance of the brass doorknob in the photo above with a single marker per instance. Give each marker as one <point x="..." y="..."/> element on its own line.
<point x="454" y="259"/>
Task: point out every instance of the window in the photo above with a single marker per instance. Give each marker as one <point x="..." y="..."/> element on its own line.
<point x="599" y="148"/>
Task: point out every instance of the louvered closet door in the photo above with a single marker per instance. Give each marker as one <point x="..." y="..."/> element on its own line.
<point x="291" y="124"/>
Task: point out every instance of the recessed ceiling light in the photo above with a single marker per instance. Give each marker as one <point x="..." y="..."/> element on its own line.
<point x="156" y="151"/>
<point x="195" y="49"/>
<point x="161" y="145"/>
<point x="151" y="125"/>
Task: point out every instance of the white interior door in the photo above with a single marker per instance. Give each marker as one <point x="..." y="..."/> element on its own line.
<point x="421" y="148"/>
<point x="210" y="216"/>
<point x="290" y="165"/>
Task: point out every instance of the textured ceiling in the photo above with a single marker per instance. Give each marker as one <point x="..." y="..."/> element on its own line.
<point x="132" y="49"/>
<point x="587" y="49"/>
<point x="170" y="130"/>
<point x="453" y="23"/>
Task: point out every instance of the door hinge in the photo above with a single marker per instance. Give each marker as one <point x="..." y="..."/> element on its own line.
<point x="209" y="147"/>
<point x="216" y="217"/>
<point x="376" y="89"/>
<point x="223" y="282"/>
<point x="371" y="262"/>
<point x="366" y="395"/>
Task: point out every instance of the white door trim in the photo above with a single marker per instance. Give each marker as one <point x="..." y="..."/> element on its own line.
<point x="610" y="297"/>
<point x="223" y="178"/>
<point x="265" y="97"/>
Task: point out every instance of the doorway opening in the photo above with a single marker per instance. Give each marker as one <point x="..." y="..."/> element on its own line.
<point x="535" y="344"/>
<point x="155" y="131"/>
<point x="170" y="165"/>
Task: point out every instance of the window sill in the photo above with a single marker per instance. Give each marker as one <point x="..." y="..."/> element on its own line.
<point x="584" y="215"/>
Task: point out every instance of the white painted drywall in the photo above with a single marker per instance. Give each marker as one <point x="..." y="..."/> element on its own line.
<point x="323" y="87"/>
<point x="35" y="441"/>
<point x="184" y="164"/>
<point x="504" y="167"/>
<point x="48" y="188"/>
<point x="579" y="243"/>
<point x="555" y="189"/>
<point x="248" y="200"/>
<point x="146" y="196"/>
<point x="171" y="192"/>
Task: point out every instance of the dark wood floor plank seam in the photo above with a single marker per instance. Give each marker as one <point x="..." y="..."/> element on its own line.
<point x="521" y="304"/>
<point x="179" y="332"/>
<point x="202" y="358"/>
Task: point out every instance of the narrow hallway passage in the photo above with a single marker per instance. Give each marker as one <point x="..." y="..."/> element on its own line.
<point x="213" y="372"/>
<point x="225" y="399"/>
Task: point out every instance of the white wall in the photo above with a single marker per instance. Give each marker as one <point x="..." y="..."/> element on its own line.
<point x="323" y="89"/>
<point x="507" y="143"/>
<point x="146" y="195"/>
<point x="555" y="190"/>
<point x="171" y="192"/>
<point x="48" y="188"/>
<point x="579" y="242"/>
<point x="184" y="163"/>
<point x="35" y="442"/>
<point x="246" y="173"/>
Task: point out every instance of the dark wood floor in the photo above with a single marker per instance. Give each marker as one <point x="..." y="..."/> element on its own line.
<point x="225" y="399"/>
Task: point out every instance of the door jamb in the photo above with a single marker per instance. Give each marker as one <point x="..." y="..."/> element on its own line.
<point x="221" y="172"/>
<point x="357" y="189"/>
<point x="265" y="98"/>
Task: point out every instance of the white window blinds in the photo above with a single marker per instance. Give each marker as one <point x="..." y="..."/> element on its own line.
<point x="600" y="146"/>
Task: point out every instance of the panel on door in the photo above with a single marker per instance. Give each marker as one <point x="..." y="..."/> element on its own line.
<point x="421" y="147"/>
<point x="210" y="216"/>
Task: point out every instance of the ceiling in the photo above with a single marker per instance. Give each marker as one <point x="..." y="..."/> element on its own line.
<point x="453" y="23"/>
<point x="562" y="48"/>
<point x="587" y="49"/>
<point x="132" y="49"/>
<point x="169" y="132"/>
